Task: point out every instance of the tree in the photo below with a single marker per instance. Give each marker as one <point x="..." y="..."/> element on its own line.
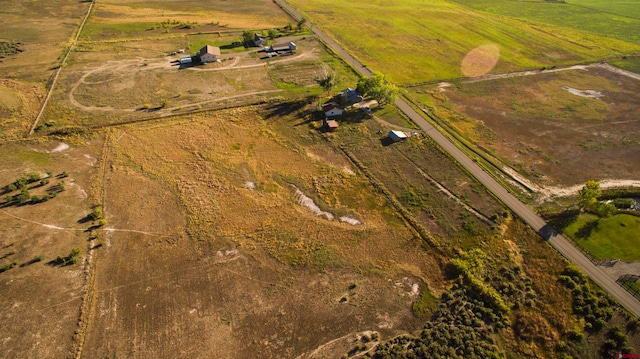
<point x="588" y="194"/>
<point x="247" y="36"/>
<point x="272" y="34"/>
<point x="604" y="210"/>
<point x="301" y="23"/>
<point x="378" y="88"/>
<point x="288" y="27"/>
<point x="328" y="82"/>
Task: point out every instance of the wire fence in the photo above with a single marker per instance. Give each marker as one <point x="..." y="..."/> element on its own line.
<point x="630" y="283"/>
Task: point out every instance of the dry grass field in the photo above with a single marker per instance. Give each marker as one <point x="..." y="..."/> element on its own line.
<point x="33" y="36"/>
<point x="41" y="301"/>
<point x="220" y="258"/>
<point x="203" y="212"/>
<point x="43" y="30"/>
<point x="555" y="128"/>
<point x="209" y="249"/>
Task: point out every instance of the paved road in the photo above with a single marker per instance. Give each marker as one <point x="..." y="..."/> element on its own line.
<point x="558" y="241"/>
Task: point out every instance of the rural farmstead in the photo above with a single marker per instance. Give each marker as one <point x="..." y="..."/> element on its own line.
<point x="303" y="179"/>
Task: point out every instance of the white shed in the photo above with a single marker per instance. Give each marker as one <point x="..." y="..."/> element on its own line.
<point x="397" y="135"/>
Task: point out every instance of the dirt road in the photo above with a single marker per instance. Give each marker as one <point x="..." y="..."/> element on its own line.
<point x="558" y="241"/>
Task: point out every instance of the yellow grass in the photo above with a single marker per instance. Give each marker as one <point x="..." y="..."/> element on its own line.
<point x="120" y="14"/>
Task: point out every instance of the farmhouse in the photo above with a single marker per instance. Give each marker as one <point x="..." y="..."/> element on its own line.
<point x="349" y="96"/>
<point x="259" y="40"/>
<point x="209" y="54"/>
<point x="331" y="109"/>
<point x="282" y="47"/>
<point x="396" y="136"/>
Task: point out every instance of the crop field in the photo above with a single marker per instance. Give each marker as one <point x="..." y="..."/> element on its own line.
<point x="616" y="19"/>
<point x="411" y="41"/>
<point x="556" y="128"/>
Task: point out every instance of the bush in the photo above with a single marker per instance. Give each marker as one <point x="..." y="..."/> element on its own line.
<point x="96" y="213"/>
<point x="7" y="266"/>
<point x="623" y="203"/>
<point x="33" y="177"/>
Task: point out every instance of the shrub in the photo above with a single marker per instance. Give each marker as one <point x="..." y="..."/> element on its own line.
<point x="20" y="183"/>
<point x="33" y="177"/>
<point x="7" y="266"/>
<point x="96" y="213"/>
<point x="24" y="196"/>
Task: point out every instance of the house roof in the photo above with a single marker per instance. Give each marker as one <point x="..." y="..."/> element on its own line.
<point x="397" y="134"/>
<point x="330" y="106"/>
<point x="332" y="123"/>
<point x="259" y="37"/>
<point x="284" y="46"/>
<point x="210" y="50"/>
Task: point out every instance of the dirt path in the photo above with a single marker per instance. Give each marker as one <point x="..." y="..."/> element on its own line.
<point x="525" y="73"/>
<point x="537" y="72"/>
<point x="58" y="228"/>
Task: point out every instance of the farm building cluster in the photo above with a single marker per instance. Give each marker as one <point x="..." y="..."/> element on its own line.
<point x="206" y="54"/>
<point x="337" y="105"/>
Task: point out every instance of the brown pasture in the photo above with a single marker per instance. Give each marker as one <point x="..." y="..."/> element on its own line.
<point x="199" y="263"/>
<point x="549" y="134"/>
<point x="41" y="302"/>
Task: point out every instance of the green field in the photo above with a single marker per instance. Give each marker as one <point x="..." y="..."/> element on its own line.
<point x="615" y="237"/>
<point x="629" y="64"/>
<point x="412" y="41"/>
<point x="620" y="20"/>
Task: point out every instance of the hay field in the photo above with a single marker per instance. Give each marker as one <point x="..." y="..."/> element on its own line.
<point x="412" y="41"/>
<point x="616" y="19"/>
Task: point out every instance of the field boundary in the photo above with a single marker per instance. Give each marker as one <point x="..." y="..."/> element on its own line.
<point x="447" y="192"/>
<point x="406" y="215"/>
<point x="625" y="281"/>
<point x="60" y="67"/>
